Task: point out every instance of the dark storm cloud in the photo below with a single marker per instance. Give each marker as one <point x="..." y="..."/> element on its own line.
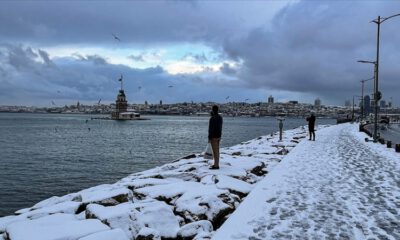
<point x="137" y="58"/>
<point x="94" y="22"/>
<point x="227" y="69"/>
<point x="30" y="78"/>
<point x="313" y="46"/>
<point x="200" y="58"/>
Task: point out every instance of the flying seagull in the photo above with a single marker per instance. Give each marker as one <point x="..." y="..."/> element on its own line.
<point x="247" y="99"/>
<point x="170" y="86"/>
<point x="115" y="37"/>
<point x="227" y="98"/>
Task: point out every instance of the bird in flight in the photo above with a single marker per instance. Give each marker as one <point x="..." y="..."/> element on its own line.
<point x="227" y="98"/>
<point x="116" y="37"/>
<point x="140" y="87"/>
<point x="247" y="99"/>
<point x="170" y="86"/>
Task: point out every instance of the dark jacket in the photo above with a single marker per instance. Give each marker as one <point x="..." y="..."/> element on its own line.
<point x="311" y="122"/>
<point x="215" y="126"/>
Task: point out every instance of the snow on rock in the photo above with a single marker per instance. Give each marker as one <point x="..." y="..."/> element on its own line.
<point x="63" y="207"/>
<point x="158" y="216"/>
<point x="107" y="195"/>
<point x="181" y="199"/>
<point x="190" y="230"/>
<point x="132" y="217"/>
<point x="113" y="234"/>
<point x="146" y="233"/>
<point x="121" y="216"/>
<point x="49" y="202"/>
<point x="226" y="182"/>
<point x="57" y="226"/>
<point x="193" y="200"/>
<point x="5" y="221"/>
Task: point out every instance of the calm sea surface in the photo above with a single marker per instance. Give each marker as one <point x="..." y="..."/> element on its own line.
<point x="43" y="155"/>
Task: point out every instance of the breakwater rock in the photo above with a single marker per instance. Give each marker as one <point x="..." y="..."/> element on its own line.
<point x="180" y="200"/>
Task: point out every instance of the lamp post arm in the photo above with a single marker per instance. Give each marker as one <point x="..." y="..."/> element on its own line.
<point x="384" y="19"/>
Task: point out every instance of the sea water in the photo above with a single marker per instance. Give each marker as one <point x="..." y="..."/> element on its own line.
<point x="44" y="155"/>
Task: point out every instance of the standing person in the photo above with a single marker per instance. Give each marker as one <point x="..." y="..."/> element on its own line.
<point x="214" y="135"/>
<point x="311" y="126"/>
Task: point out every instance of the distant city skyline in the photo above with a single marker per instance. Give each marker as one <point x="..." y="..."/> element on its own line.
<point x="182" y="51"/>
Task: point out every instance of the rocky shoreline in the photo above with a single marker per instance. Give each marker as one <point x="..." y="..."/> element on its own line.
<point x="180" y="200"/>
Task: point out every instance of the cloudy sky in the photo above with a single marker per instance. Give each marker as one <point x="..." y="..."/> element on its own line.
<point x="206" y="50"/>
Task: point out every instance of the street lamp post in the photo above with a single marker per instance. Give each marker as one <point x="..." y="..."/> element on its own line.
<point x="362" y="96"/>
<point x="375" y="136"/>
<point x="378" y="95"/>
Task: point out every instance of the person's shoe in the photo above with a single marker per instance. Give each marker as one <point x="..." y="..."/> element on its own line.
<point x="214" y="167"/>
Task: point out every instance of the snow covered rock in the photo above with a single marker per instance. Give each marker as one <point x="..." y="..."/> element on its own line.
<point x="114" y="234"/>
<point x="56" y="226"/>
<point x="148" y="234"/>
<point x="190" y="230"/>
<point x="132" y="217"/>
<point x="107" y="195"/>
<point x="62" y="207"/>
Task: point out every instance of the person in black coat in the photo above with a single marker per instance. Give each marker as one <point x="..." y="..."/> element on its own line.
<point x="214" y="134"/>
<point x="311" y="126"/>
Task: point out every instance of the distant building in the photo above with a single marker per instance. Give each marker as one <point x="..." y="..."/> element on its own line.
<point x="367" y="105"/>
<point x="160" y="102"/>
<point x="293" y="102"/>
<point x="390" y="104"/>
<point x="382" y="104"/>
<point x="270" y="99"/>
<point x="347" y="103"/>
<point x="317" y="102"/>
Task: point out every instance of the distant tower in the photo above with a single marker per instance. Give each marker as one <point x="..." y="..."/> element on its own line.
<point x="317" y="102"/>
<point x="121" y="105"/>
<point x="160" y="102"/>
<point x="270" y="99"/>
<point x="146" y="103"/>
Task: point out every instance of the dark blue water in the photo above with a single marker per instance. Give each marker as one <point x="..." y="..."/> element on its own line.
<point x="42" y="155"/>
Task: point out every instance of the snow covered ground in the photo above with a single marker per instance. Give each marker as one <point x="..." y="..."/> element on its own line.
<point x="183" y="199"/>
<point x="338" y="187"/>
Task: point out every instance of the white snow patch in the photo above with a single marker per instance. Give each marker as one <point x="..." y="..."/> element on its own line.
<point x="56" y="226"/>
<point x="113" y="234"/>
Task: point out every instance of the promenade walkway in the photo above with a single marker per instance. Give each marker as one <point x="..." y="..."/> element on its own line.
<point x="338" y="187"/>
